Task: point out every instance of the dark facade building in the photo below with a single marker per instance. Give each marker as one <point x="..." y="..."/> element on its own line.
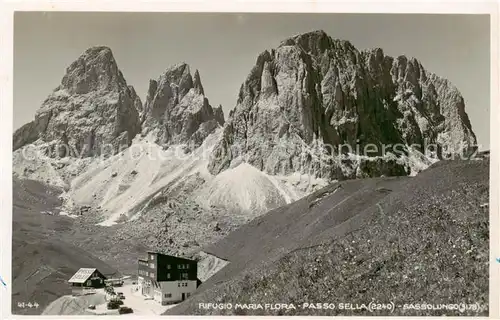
<point x="166" y="278"/>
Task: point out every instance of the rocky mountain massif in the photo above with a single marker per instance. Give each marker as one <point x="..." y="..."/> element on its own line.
<point x="299" y="105"/>
<point x="312" y="94"/>
<point x="173" y="175"/>
<point x="92" y="108"/>
<point x="177" y="109"/>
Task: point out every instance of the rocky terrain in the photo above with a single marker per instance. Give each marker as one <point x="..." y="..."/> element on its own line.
<point x="92" y="112"/>
<point x="312" y="95"/>
<point x="403" y="240"/>
<point x="178" y="129"/>
<point x="299" y="104"/>
<point x="173" y="175"/>
<point x="177" y="110"/>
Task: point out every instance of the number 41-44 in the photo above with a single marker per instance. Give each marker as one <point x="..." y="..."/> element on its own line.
<point x="27" y="305"/>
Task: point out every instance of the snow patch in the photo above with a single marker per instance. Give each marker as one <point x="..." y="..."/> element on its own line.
<point x="62" y="213"/>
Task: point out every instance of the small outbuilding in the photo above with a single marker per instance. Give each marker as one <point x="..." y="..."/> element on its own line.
<point x="86" y="279"/>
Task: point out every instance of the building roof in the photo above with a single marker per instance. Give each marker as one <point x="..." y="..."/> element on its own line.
<point x="170" y="256"/>
<point x="82" y="275"/>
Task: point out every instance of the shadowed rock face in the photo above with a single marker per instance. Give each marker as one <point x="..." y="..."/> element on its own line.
<point x="92" y="112"/>
<point x="177" y="110"/>
<point x="313" y="90"/>
<point x="28" y="133"/>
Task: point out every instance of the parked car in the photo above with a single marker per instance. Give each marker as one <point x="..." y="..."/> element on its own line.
<point x="124" y="310"/>
<point x="114" y="304"/>
<point x="92" y="307"/>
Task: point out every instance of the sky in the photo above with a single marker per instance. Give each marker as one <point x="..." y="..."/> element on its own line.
<point x="225" y="46"/>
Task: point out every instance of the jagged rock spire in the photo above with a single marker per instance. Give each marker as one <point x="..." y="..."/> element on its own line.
<point x="197" y="83"/>
<point x="219" y="115"/>
<point x="177" y="110"/>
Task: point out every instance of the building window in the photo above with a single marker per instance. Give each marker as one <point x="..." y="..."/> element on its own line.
<point x="178" y="284"/>
<point x="168" y="295"/>
<point x="168" y="275"/>
<point x="89" y="283"/>
<point x="152" y="265"/>
<point x="188" y="294"/>
<point x="187" y="266"/>
<point x="151" y="257"/>
<point x="151" y="274"/>
<point x="180" y="266"/>
<point x="168" y="266"/>
<point x="184" y="276"/>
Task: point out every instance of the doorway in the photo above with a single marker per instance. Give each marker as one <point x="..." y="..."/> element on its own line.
<point x="183" y="296"/>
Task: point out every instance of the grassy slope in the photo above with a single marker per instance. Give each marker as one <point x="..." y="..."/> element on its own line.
<point x="38" y="252"/>
<point x="400" y="240"/>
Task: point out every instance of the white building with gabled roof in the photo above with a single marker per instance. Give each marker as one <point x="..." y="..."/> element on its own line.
<point x="86" y="278"/>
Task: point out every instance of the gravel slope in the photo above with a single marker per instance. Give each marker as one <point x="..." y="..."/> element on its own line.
<point x="75" y="306"/>
<point x="400" y="240"/>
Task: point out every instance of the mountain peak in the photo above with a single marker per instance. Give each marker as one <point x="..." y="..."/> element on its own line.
<point x="313" y="35"/>
<point x="177" y="109"/>
<point x="92" y="112"/>
<point x="178" y="76"/>
<point x="219" y="115"/>
<point x="317" y="42"/>
<point x="95" y="70"/>
<point x="98" y="50"/>
<point x="177" y="68"/>
<point x="197" y="83"/>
